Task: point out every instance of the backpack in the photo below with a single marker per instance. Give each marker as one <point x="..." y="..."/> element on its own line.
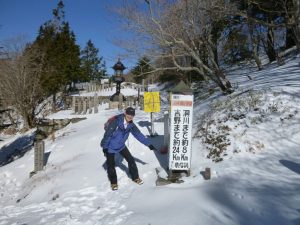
<point x="109" y="121"/>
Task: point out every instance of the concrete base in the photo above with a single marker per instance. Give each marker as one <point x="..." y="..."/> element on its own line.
<point x="113" y="105"/>
<point x="172" y="177"/>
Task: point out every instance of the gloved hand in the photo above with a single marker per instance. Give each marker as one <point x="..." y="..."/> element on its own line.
<point x="152" y="147"/>
<point x="105" y="151"/>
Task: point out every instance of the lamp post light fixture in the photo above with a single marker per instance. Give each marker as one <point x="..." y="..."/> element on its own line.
<point x="118" y="79"/>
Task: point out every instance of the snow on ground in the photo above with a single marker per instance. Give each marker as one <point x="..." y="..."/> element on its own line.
<point x="257" y="181"/>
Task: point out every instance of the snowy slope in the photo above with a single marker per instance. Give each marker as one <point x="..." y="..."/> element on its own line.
<point x="258" y="185"/>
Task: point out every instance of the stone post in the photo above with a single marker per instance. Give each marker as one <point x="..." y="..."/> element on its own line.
<point x="90" y="105"/>
<point x="79" y="103"/>
<point x="136" y="103"/>
<point x="96" y="103"/>
<point x="76" y="106"/>
<point x="84" y="106"/>
<point x="39" y="151"/>
<point x="73" y="103"/>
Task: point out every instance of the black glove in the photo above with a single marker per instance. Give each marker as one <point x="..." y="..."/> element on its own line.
<point x="105" y="151"/>
<point x="152" y="147"/>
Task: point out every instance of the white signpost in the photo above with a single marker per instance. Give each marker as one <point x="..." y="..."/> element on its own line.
<point x="181" y="132"/>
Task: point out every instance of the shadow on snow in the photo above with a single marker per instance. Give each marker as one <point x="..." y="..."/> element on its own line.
<point x="16" y="149"/>
<point x="295" y="167"/>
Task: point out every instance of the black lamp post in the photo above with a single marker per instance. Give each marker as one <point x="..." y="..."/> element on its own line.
<point x="118" y="79"/>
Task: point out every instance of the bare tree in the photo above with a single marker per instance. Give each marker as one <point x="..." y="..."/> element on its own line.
<point x="181" y="31"/>
<point x="296" y="20"/>
<point x="281" y="18"/>
<point x="290" y="11"/>
<point x="20" y="73"/>
<point x="255" y="37"/>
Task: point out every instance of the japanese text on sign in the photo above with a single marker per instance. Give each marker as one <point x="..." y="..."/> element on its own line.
<point x="180" y="133"/>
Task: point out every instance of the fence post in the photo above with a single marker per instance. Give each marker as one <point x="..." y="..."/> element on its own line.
<point x="79" y="103"/>
<point x="39" y="151"/>
<point x="73" y="103"/>
<point x="84" y="106"/>
<point x="90" y="105"/>
<point x="96" y="103"/>
<point x="76" y="106"/>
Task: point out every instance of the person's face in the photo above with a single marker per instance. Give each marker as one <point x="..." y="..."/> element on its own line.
<point x="128" y="118"/>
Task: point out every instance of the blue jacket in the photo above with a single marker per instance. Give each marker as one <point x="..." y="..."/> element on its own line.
<point x="116" y="135"/>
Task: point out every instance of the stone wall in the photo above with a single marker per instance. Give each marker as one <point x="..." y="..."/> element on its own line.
<point x="46" y="127"/>
<point x="89" y="104"/>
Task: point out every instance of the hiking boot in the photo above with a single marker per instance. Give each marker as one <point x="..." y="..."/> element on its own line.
<point x="114" y="187"/>
<point x="138" y="181"/>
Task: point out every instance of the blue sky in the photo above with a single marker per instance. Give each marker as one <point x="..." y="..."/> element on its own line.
<point x="89" y="19"/>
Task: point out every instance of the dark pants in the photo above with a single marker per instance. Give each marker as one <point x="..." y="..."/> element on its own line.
<point x="111" y="171"/>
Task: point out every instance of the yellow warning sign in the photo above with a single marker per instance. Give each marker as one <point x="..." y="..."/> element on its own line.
<point x="151" y="102"/>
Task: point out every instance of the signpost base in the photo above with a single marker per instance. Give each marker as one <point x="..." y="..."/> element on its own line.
<point x="175" y="175"/>
<point x="162" y="177"/>
<point x="172" y="176"/>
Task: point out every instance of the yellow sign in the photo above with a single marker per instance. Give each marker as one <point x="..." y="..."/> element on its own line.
<point x="151" y="102"/>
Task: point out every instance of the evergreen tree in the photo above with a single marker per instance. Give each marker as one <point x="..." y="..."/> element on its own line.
<point x="141" y="70"/>
<point x="62" y="54"/>
<point x="69" y="53"/>
<point x="92" y="67"/>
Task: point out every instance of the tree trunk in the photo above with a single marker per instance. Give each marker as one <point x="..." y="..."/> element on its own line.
<point x="215" y="52"/>
<point x="270" y="45"/>
<point x="290" y="39"/>
<point x="222" y="82"/>
<point x="255" y="41"/>
<point x="297" y="23"/>
<point x="30" y="120"/>
<point x="256" y="58"/>
<point x="27" y="120"/>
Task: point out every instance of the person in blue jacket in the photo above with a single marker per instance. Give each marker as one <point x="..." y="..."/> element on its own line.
<point x="113" y="142"/>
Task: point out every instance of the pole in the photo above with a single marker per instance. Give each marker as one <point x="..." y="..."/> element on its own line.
<point x="152" y="124"/>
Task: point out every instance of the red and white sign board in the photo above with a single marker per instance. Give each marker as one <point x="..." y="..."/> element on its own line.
<point x="181" y="121"/>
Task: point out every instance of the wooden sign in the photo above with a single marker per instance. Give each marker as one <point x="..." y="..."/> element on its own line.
<point x="181" y="121"/>
<point x="151" y="102"/>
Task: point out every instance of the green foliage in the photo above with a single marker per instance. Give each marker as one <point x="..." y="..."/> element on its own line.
<point x="92" y="67"/>
<point x="194" y="77"/>
<point x="58" y="42"/>
<point x="141" y="70"/>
